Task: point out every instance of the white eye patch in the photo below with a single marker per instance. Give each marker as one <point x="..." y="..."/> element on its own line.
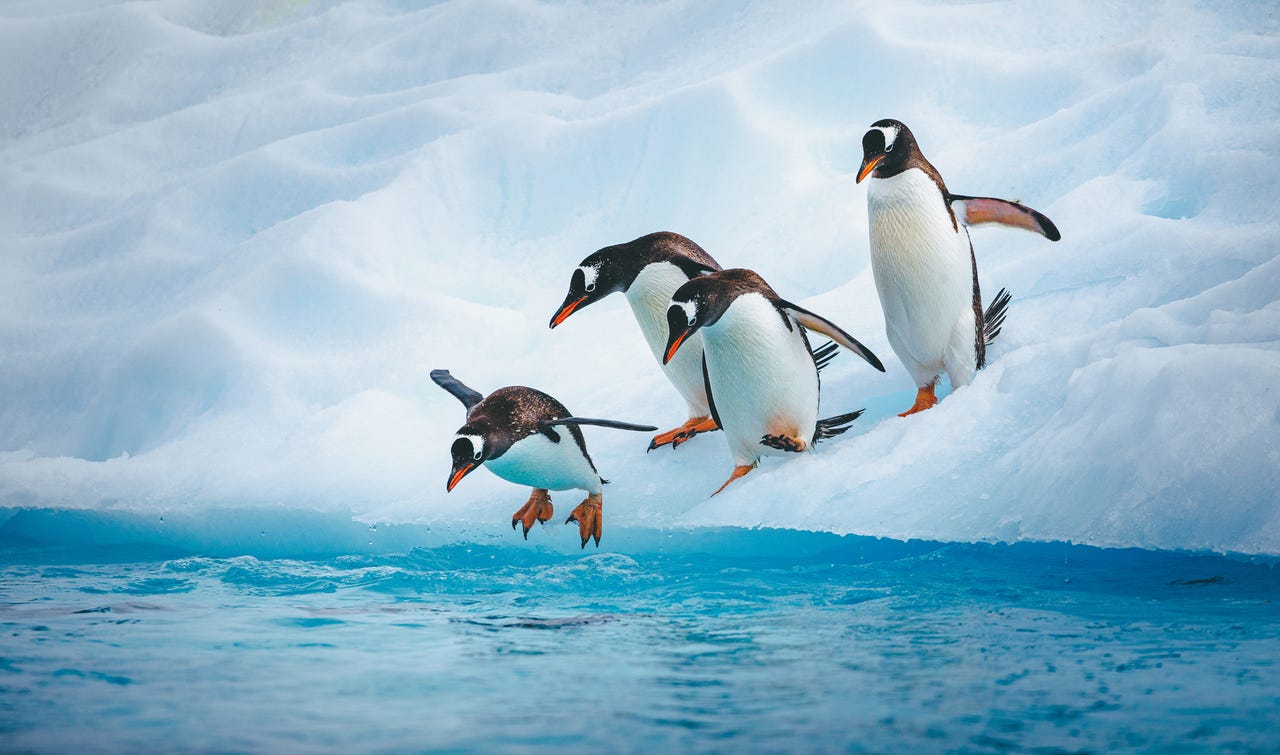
<point x="690" y="311"/>
<point x="477" y="443"/>
<point x="589" y="275"/>
<point x="890" y="135"/>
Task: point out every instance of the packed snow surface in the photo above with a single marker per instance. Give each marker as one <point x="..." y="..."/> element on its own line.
<point x="237" y="236"/>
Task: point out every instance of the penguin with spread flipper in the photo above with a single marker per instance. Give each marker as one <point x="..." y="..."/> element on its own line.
<point x="760" y="374"/>
<point x="527" y="437"/>
<point x="923" y="262"/>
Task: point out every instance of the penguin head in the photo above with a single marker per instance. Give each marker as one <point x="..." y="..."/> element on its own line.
<point x="470" y="449"/>
<point x="886" y="148"/>
<point x="596" y="277"/>
<point x="615" y="268"/>
<point x="694" y="306"/>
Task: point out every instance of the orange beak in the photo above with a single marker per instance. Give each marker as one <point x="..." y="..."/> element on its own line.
<point x="566" y="310"/>
<point x="674" y="347"/>
<point x="868" y="166"/>
<point x="457" y="477"/>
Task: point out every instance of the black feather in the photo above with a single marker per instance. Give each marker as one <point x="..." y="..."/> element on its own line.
<point x="833" y="426"/>
<point x="823" y="355"/>
<point x="995" y="314"/>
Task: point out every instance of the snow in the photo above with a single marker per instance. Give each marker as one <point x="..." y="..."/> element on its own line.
<point x="237" y="237"/>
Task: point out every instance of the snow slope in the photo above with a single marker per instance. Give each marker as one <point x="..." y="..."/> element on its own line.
<point x="238" y="235"/>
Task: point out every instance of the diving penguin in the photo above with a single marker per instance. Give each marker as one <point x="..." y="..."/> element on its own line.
<point x="649" y="270"/>
<point x="922" y="259"/>
<point x="519" y="434"/>
<point x="761" y="376"/>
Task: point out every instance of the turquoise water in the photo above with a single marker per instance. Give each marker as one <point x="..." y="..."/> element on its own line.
<point x="694" y="640"/>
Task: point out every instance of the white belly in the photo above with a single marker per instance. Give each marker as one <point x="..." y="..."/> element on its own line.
<point x="923" y="274"/>
<point x="537" y="462"/>
<point x="649" y="296"/>
<point x="763" y="380"/>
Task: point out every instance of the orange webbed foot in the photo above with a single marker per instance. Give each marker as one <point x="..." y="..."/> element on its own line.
<point x="924" y="400"/>
<point x="537" y="509"/>
<point x="684" y="432"/>
<point x="590" y="518"/>
<point x="737" y="472"/>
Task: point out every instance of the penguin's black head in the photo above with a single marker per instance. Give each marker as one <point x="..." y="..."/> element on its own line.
<point x="469" y="450"/>
<point x="598" y="275"/>
<point x="886" y="148"/>
<point x="695" y="305"/>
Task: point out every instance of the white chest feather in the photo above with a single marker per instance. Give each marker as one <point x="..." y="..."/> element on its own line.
<point x="649" y="296"/>
<point x="539" y="463"/>
<point x="921" y="264"/>
<point x="763" y="380"/>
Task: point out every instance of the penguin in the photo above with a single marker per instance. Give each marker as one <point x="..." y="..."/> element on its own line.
<point x="648" y="270"/>
<point x="761" y="376"/>
<point x="518" y="433"/>
<point x="923" y="262"/>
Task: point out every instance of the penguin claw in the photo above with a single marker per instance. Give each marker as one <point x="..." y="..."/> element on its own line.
<point x="590" y="518"/>
<point x="537" y="509"/>
<point x="784" y="443"/>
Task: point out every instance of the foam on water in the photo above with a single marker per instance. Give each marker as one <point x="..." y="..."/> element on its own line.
<point x="238" y="237"/>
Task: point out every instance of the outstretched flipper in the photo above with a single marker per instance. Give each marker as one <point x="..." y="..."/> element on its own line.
<point x="995" y="314"/>
<point x="978" y="210"/>
<point x="833" y="426"/>
<point x="820" y="324"/>
<point x="545" y="423"/>
<point x="468" y="397"/>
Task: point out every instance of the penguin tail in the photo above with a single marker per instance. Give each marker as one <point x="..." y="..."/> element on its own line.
<point x="823" y="355"/>
<point x="995" y="314"/>
<point x="833" y="426"/>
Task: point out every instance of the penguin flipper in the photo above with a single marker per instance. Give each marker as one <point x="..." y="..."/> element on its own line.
<point x="711" y="402"/>
<point x="468" y="397"/>
<point x="544" y="424"/>
<point x="820" y="324"/>
<point x="978" y="210"/>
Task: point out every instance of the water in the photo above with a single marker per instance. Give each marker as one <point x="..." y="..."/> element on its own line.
<point x="692" y="640"/>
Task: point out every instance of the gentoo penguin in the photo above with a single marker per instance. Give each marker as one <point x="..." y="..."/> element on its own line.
<point x="761" y="376"/>
<point x="923" y="261"/>
<point x="649" y="270"/>
<point x="519" y="434"/>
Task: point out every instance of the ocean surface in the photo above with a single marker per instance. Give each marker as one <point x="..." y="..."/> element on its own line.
<point x="699" y="639"/>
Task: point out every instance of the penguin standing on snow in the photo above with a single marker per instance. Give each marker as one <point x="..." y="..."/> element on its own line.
<point x="519" y="434"/>
<point x="649" y="270"/>
<point x="761" y="375"/>
<point x="922" y="259"/>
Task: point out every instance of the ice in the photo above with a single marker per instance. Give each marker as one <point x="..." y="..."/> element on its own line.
<point x="238" y="236"/>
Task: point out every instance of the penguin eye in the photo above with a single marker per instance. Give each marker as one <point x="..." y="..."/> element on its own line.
<point x="693" y="318"/>
<point x="589" y="287"/>
<point x="888" y="147"/>
<point x="478" y="455"/>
